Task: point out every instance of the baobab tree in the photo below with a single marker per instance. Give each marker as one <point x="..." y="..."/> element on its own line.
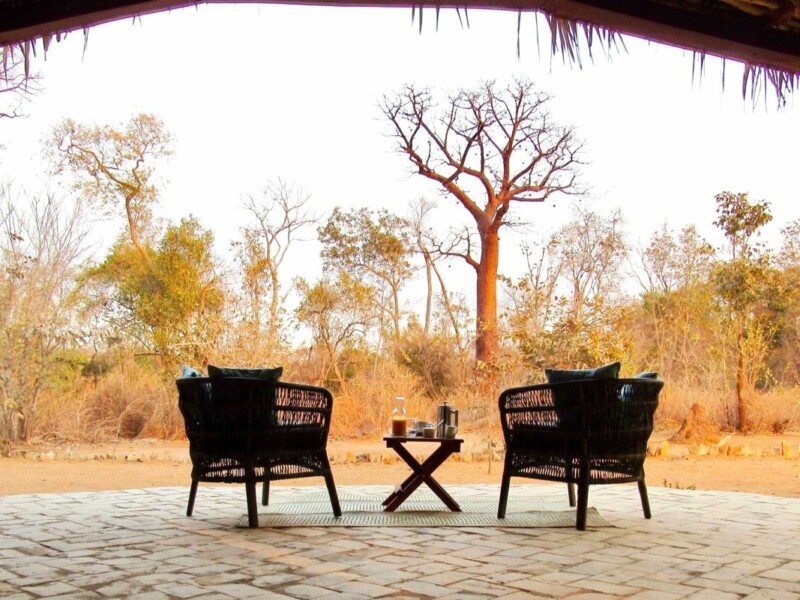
<point x="489" y="148"/>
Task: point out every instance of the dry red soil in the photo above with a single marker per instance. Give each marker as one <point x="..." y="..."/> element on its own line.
<point x="47" y="468"/>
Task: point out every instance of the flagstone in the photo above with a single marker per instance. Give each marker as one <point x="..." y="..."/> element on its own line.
<point x="698" y="545"/>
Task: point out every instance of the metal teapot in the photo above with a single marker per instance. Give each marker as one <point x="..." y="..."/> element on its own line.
<point x="445" y="415"/>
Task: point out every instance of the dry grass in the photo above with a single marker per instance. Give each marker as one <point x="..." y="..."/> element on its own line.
<point x="134" y="401"/>
<point x="363" y="405"/>
<point x="130" y="401"/>
<point x="773" y="411"/>
<point x="675" y="401"/>
<point x="776" y="411"/>
<point x="362" y="408"/>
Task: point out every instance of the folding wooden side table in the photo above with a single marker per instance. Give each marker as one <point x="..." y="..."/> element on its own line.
<point x="422" y="472"/>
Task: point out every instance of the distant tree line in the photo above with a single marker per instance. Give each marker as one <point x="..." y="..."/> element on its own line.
<point x="90" y="347"/>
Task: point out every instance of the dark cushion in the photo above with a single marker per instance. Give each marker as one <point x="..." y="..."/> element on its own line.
<point x="189" y="372"/>
<point x="646" y="375"/>
<point x="272" y="375"/>
<point x="265" y="374"/>
<point x="605" y="372"/>
<point x="626" y="391"/>
<point x="563" y="401"/>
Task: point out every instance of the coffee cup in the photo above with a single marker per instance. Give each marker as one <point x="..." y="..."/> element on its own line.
<point x="429" y="432"/>
<point x="450" y="431"/>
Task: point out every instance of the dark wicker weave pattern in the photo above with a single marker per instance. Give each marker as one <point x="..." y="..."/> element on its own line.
<point x="249" y="430"/>
<point x="578" y="432"/>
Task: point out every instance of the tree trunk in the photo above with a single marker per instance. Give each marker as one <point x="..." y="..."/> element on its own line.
<point x="274" y="312"/>
<point x="486" y="343"/>
<point x="741" y="400"/>
<point x="332" y="358"/>
<point x="396" y="314"/>
<point x="451" y="315"/>
<point x="133" y="228"/>
<point x="429" y="295"/>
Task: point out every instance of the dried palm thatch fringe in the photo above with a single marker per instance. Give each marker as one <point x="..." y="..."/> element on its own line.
<point x="756" y="79"/>
<point x="568" y="38"/>
<point x="27" y="50"/>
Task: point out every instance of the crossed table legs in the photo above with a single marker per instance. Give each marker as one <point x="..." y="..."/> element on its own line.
<point x="422" y="473"/>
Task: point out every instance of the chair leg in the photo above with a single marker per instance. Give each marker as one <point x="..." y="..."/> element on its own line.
<point x="265" y="489"/>
<point x="327" y="474"/>
<point x="192" y="495"/>
<point x="570" y="486"/>
<point x="645" y="500"/>
<point x="583" y="505"/>
<point x="252" y="501"/>
<point x="505" y="483"/>
<point x="583" y="489"/>
<point x="337" y="510"/>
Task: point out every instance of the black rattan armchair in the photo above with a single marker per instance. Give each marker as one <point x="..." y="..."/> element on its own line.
<point x="578" y="432"/>
<point x="250" y="430"/>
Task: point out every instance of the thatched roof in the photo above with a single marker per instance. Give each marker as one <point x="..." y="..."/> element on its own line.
<point x="762" y="34"/>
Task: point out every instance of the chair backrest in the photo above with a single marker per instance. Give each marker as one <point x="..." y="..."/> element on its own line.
<point x="601" y="417"/>
<point x="229" y="416"/>
<point x="619" y="417"/>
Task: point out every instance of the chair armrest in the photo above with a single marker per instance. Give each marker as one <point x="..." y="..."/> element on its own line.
<point x="528" y="408"/>
<point x="303" y="407"/>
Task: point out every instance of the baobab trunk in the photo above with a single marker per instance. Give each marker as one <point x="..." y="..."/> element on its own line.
<point x="486" y="343"/>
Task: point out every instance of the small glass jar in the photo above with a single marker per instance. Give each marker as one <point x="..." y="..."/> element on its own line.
<point x="399" y="417"/>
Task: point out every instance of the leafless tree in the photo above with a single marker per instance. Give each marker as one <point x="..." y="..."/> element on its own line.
<point x="592" y="250"/>
<point x="488" y="148"/>
<point x="429" y="247"/>
<point x="17" y="85"/>
<point x="533" y="300"/>
<point x="42" y="246"/>
<point x="279" y="213"/>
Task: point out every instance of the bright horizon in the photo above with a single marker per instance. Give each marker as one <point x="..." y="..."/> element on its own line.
<point x="256" y="92"/>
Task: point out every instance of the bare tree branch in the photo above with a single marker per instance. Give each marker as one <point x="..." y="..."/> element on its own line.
<point x="488" y="148"/>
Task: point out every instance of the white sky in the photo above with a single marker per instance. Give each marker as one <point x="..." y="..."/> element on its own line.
<point x="252" y="93"/>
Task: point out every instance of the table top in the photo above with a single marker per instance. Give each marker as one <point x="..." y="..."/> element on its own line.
<point x="419" y="438"/>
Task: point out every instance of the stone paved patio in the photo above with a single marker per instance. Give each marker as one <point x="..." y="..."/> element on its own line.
<point x="138" y="544"/>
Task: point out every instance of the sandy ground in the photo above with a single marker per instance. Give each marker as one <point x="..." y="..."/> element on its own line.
<point x="44" y="468"/>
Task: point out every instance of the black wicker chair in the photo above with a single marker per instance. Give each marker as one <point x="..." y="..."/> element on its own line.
<point x="250" y="430"/>
<point x="578" y="432"/>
